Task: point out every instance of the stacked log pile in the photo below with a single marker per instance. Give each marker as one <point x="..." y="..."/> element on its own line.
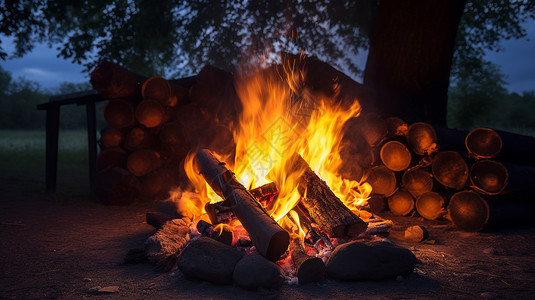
<point x="152" y="124"/>
<point x="410" y="175"/>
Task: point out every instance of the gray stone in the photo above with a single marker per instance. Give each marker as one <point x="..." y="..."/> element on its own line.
<point x="254" y="271"/>
<point x="209" y="260"/>
<point x="355" y="261"/>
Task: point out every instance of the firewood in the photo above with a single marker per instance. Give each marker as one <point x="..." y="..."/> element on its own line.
<point x="422" y="138"/>
<point x="396" y="127"/>
<point x="157" y="219"/>
<point x="173" y="140"/>
<point x="309" y="268"/>
<point x="110" y="137"/>
<point x="416" y="233"/>
<point x="219" y="213"/>
<point x="150" y="113"/>
<point x="401" y="203"/>
<point x="163" y="91"/>
<point x="164" y="247"/>
<point x="468" y="211"/>
<point x="116" y="186"/>
<point x="158" y="183"/>
<point x="377" y="203"/>
<point x="331" y="215"/>
<point x="382" y="180"/>
<point x="268" y="237"/>
<point x="417" y="181"/>
<point x="313" y="235"/>
<point x="266" y="193"/>
<point x="483" y="143"/>
<point x="373" y="128"/>
<point x="488" y="177"/>
<point x="430" y="205"/>
<point x="119" y="113"/>
<point x="450" y="169"/>
<point x="114" y="157"/>
<point x="113" y="82"/>
<point x="355" y="153"/>
<point x="142" y="162"/>
<point x="395" y="156"/>
<point x="139" y="137"/>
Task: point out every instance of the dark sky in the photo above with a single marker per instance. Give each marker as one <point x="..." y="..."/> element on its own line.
<point x="517" y="61"/>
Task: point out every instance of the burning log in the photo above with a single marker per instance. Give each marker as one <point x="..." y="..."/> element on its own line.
<point x="401" y="203"/>
<point x="430" y="205"/>
<point x="309" y="268"/>
<point x="488" y="177"/>
<point x="382" y="180"/>
<point x="163" y="91"/>
<point x="164" y="247"/>
<point x="150" y="113"/>
<point x="450" y="169"/>
<point x="331" y="215"/>
<point x="417" y="181"/>
<point x="421" y="138"/>
<point x="266" y="193"/>
<point x="139" y="137"/>
<point x="119" y="113"/>
<point x="114" y="157"/>
<point x="218" y="213"/>
<point x="483" y="143"/>
<point x="143" y="161"/>
<point x="268" y="237"/>
<point x="113" y="81"/>
<point x="313" y="235"/>
<point x="110" y="137"/>
<point x="395" y="156"/>
<point x="468" y="211"/>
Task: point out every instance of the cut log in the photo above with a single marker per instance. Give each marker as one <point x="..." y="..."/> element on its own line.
<point x="119" y="113"/>
<point x="143" y="161"/>
<point x="139" y="137"/>
<point x="325" y="209"/>
<point x="396" y="127"/>
<point x="483" y="143"/>
<point x="488" y="177"/>
<point x="158" y="183"/>
<point x="150" y="113"/>
<point x="430" y="205"/>
<point x="395" y="156"/>
<point x="382" y="180"/>
<point x="372" y="127"/>
<point x="355" y="153"/>
<point x="113" y="82"/>
<point x="468" y="211"/>
<point x="401" y="203"/>
<point x="219" y="213"/>
<point x="116" y="186"/>
<point x="268" y="237"/>
<point x="266" y="193"/>
<point x="417" y="181"/>
<point x="450" y="169"/>
<point x="309" y="268"/>
<point x="164" y="247"/>
<point x="422" y="138"/>
<point x="112" y="157"/>
<point x="416" y="234"/>
<point x="173" y="140"/>
<point x="163" y="91"/>
<point x="110" y="137"/>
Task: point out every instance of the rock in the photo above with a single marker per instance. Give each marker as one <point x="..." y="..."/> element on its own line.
<point x="109" y="289"/>
<point x="356" y="261"/>
<point x="416" y="234"/>
<point x="209" y="260"/>
<point x="254" y="271"/>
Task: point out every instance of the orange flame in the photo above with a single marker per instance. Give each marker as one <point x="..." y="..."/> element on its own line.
<point x="280" y="117"/>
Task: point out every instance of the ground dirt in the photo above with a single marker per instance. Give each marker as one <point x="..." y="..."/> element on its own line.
<point x="64" y="249"/>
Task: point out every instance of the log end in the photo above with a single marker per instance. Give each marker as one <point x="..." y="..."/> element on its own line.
<point x="278" y="244"/>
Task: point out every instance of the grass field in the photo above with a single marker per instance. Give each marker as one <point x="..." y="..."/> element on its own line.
<point x="22" y="157"/>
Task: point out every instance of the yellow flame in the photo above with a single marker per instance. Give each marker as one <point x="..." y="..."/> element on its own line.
<point x="281" y="117"/>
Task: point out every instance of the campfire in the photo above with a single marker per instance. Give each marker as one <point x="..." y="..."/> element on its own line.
<point x="279" y="173"/>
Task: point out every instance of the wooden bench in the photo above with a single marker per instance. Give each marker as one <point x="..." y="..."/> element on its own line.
<point x="52" y="107"/>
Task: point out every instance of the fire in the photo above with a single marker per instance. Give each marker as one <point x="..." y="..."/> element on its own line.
<point x="281" y="117"/>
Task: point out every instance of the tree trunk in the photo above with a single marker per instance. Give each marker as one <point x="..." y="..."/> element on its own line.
<point x="411" y="50"/>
